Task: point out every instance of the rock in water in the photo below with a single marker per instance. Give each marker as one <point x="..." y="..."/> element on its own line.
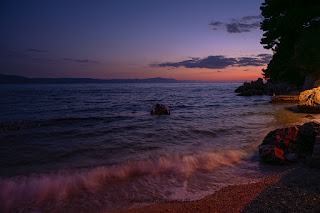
<point x="309" y="101"/>
<point x="289" y="144"/>
<point x="253" y="88"/>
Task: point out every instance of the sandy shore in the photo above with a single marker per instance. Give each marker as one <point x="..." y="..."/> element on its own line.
<point x="296" y="190"/>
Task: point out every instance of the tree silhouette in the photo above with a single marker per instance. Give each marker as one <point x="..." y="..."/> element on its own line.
<point x="292" y="31"/>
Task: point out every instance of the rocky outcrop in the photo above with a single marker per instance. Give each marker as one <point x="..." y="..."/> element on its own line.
<point x="290" y="99"/>
<point x="309" y="101"/>
<point x="289" y="144"/>
<point x="281" y="88"/>
<point x="253" y="88"/>
<point x="258" y="87"/>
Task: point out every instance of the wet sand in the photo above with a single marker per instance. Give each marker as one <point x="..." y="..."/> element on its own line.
<point x="296" y="190"/>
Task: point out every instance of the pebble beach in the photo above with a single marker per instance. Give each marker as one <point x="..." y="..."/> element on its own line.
<point x="295" y="190"/>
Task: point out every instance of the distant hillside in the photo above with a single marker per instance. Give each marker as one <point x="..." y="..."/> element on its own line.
<point x="14" y="79"/>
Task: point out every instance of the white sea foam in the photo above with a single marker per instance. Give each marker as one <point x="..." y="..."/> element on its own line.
<point x="58" y="187"/>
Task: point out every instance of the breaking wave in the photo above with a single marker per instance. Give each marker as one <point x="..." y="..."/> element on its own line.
<point x="37" y="189"/>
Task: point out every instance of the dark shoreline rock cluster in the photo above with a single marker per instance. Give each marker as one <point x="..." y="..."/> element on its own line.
<point x="308" y="99"/>
<point x="258" y="87"/>
<point x="289" y="145"/>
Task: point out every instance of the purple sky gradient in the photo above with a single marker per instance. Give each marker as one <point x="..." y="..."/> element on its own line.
<point x="130" y="39"/>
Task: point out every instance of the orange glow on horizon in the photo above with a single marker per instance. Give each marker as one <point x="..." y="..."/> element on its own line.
<point x="247" y="73"/>
<point x="231" y="74"/>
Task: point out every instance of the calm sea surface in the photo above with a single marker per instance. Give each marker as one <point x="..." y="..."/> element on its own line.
<point x="96" y="147"/>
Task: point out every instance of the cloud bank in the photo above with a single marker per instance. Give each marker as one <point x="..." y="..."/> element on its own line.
<point x="82" y="61"/>
<point x="218" y="62"/>
<point x="242" y="25"/>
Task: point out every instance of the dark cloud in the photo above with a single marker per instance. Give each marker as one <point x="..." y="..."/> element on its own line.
<point x="265" y="57"/>
<point x="216" y="24"/>
<point x="218" y="62"/>
<point x="251" y="61"/>
<point x="248" y="18"/>
<point x="211" y="62"/>
<point x="36" y="50"/>
<point x="241" y="25"/>
<point x="83" y="61"/>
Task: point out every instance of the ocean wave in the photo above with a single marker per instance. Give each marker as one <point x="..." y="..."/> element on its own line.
<point x="37" y="189"/>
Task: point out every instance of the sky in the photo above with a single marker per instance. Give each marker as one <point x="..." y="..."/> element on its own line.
<point x="210" y="40"/>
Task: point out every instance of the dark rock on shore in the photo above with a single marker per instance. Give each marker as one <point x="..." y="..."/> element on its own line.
<point x="290" y="99"/>
<point x="258" y="87"/>
<point x="307" y="138"/>
<point x="289" y="144"/>
<point x="253" y="88"/>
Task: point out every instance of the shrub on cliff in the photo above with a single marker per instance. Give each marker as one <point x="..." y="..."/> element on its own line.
<point x="291" y="29"/>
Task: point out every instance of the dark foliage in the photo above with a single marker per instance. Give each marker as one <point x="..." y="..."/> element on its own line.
<point x="292" y="31"/>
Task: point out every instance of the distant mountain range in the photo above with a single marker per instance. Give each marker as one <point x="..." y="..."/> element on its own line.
<point x="15" y="79"/>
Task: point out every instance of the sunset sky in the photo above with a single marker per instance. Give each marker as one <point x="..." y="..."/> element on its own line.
<point x="212" y="40"/>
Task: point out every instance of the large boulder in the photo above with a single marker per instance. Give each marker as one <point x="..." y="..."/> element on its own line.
<point x="289" y="144"/>
<point x="306" y="139"/>
<point x="309" y="101"/>
<point x="253" y="88"/>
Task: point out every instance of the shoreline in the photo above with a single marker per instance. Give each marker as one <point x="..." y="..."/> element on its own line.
<point x="295" y="190"/>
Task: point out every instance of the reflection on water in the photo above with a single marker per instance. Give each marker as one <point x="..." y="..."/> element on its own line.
<point x="284" y="117"/>
<point x="96" y="147"/>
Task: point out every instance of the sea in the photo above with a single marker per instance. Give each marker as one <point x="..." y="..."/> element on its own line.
<point x="97" y="148"/>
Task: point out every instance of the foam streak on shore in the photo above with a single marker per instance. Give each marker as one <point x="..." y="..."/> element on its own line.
<point x="63" y="185"/>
